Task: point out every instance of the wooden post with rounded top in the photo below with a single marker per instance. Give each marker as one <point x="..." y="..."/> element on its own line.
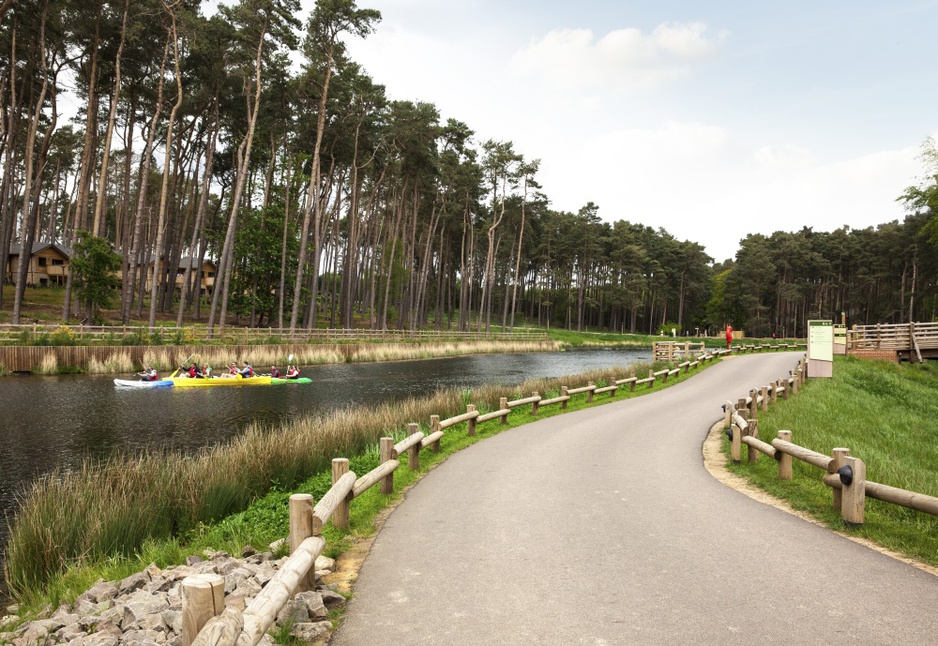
<point x="434" y="427"/>
<point x="784" y="460"/>
<point x="413" y="453"/>
<point x="727" y="414"/>
<point x="470" y="423"/>
<point x="838" y="456"/>
<point x="753" y="403"/>
<point x="503" y="405"/>
<point x="752" y="430"/>
<point x="853" y="505"/>
<point x="387" y="453"/>
<point x="340" y="517"/>
<point x="301" y="528"/>
<point x="534" y="403"/>
<point x="563" y="393"/>
<point x="773" y="392"/>
<point x="765" y="398"/>
<point x="589" y="393"/>
<point x="203" y="597"/>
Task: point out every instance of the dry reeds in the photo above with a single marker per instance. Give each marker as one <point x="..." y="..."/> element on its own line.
<point x="49" y="365"/>
<point x="108" y="508"/>
<point x="115" y="363"/>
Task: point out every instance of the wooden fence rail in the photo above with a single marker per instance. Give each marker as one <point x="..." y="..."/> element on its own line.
<point x="212" y="624"/>
<point x="106" y="334"/>
<point x="845" y="474"/>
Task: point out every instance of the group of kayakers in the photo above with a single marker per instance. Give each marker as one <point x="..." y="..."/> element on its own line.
<point x="205" y="372"/>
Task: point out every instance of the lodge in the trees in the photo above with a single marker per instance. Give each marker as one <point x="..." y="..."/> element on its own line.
<point x="47" y="266"/>
<point x="49" y="263"/>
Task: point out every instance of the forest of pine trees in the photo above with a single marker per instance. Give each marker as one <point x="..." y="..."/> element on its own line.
<point x="250" y="137"/>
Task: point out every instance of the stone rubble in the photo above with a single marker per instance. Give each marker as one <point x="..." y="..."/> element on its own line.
<point x="145" y="609"/>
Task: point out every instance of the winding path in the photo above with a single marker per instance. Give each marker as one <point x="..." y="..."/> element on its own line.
<point x="603" y="527"/>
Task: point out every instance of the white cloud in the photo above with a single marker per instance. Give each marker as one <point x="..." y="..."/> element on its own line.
<point x="572" y="59"/>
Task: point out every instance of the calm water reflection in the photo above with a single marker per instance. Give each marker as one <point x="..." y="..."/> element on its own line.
<point x="48" y="422"/>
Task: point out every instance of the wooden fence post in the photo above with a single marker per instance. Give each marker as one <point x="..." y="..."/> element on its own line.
<point x="651" y="377"/>
<point x="589" y="393"/>
<point x="340" y="517"/>
<point x="727" y="414"/>
<point x="563" y="393"/>
<point x="752" y="430"/>
<point x="434" y="427"/>
<point x="853" y="505"/>
<point x="387" y="453"/>
<point x="301" y="528"/>
<point x="838" y="456"/>
<point x="736" y="444"/>
<point x="753" y="403"/>
<point x="773" y="393"/>
<point x="503" y="405"/>
<point x="534" y="404"/>
<point x="783" y="383"/>
<point x="765" y="398"/>
<point x="471" y="423"/>
<point x="203" y="597"/>
<point x="784" y="460"/>
<point x="413" y="453"/>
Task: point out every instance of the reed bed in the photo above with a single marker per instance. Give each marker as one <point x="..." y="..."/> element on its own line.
<point x="109" y="508"/>
<point x="116" y="363"/>
<point x="49" y="365"/>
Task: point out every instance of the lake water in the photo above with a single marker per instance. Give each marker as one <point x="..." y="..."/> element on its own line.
<point x="49" y="422"/>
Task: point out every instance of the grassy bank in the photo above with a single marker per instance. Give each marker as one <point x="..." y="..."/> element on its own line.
<point x="885" y="414"/>
<point x="104" y="520"/>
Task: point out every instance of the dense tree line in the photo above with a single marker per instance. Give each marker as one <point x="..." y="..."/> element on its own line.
<point x="250" y="137"/>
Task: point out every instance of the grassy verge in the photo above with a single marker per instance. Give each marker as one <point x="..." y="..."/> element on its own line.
<point x="111" y="520"/>
<point x="885" y="414"/>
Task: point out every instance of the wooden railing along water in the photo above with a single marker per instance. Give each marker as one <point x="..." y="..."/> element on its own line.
<point x="207" y="621"/>
<point x="912" y="341"/>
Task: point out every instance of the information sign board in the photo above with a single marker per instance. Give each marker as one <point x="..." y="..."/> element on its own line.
<point x="820" y="349"/>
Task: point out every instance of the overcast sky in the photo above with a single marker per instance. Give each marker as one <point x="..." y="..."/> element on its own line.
<point x="709" y="119"/>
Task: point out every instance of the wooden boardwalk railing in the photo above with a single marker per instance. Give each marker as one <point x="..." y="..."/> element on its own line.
<point x="206" y="619"/>
<point x="911" y="340"/>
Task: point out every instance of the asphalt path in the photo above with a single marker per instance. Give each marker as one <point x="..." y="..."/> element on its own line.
<point x="603" y="527"/>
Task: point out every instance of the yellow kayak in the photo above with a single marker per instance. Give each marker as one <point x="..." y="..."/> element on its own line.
<point x="236" y="380"/>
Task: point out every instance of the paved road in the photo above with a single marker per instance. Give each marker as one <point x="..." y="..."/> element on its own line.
<point x="603" y="527"/>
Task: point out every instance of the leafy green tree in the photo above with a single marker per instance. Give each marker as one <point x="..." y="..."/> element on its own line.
<point x="96" y="265"/>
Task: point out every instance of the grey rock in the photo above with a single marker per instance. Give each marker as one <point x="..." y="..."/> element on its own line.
<point x="249" y="587"/>
<point x="307" y="631"/>
<point x="99" y="592"/>
<point x="325" y="563"/>
<point x="332" y="599"/>
<point x="226" y="566"/>
<point x="193" y="559"/>
<point x="133" y="582"/>
<point x="13" y="609"/>
<point x="314" y="604"/>
<point x="266" y="640"/>
<point x="70" y="632"/>
<point x="293" y="609"/>
<point x="172" y="619"/>
<point x="96" y="639"/>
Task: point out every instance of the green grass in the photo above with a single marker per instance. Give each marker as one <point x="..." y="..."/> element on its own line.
<point x="111" y="520"/>
<point x="886" y="415"/>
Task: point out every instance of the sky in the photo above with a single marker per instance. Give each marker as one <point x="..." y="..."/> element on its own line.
<point x="712" y="120"/>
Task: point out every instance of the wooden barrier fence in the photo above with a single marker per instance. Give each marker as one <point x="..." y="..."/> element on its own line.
<point x="206" y="619"/>
<point x="107" y="334"/>
<point x="844" y="474"/>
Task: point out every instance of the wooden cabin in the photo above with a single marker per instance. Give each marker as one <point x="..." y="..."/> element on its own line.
<point x="208" y="273"/>
<point x="47" y="266"/>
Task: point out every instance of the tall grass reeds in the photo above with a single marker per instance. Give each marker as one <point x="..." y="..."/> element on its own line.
<point x="110" y="508"/>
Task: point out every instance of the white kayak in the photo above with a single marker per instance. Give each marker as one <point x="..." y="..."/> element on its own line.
<point x="136" y="383"/>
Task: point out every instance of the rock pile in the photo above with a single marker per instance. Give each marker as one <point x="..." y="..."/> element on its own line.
<point x="145" y="609"/>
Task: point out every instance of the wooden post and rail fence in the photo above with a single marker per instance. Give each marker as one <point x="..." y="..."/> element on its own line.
<point x="672" y="351"/>
<point x="207" y="621"/>
<point x="844" y="474"/>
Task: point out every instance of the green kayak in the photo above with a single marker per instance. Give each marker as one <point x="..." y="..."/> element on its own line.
<point x="298" y="380"/>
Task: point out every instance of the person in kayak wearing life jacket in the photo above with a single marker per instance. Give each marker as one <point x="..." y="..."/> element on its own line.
<point x="274" y="372"/>
<point x="194" y="372"/>
<point x="148" y="374"/>
<point x="207" y="371"/>
<point x="247" y="371"/>
<point x="292" y="372"/>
